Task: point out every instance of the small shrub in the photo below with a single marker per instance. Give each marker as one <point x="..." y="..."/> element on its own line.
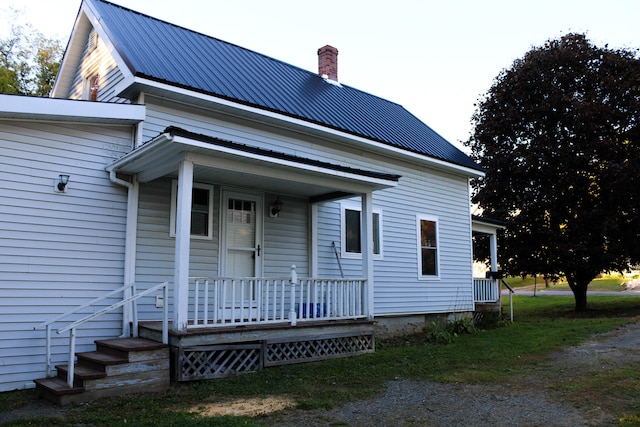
<point x="463" y="326"/>
<point x="438" y="334"/>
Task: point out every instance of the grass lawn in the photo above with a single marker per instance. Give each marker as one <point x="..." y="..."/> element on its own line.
<point x="492" y="356"/>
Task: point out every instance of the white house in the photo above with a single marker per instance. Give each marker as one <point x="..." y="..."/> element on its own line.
<point x="240" y="181"/>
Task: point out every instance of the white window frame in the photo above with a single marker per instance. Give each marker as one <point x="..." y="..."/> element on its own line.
<point x="343" y="231"/>
<point x="419" y="218"/>
<point x="174" y="204"/>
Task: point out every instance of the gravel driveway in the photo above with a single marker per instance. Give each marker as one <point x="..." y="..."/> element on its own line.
<point x="522" y="402"/>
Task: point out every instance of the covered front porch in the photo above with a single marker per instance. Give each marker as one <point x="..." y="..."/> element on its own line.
<point x="257" y="210"/>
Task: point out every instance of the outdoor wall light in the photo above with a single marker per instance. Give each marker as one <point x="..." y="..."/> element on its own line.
<point x="276" y="207"/>
<point x="61" y="183"/>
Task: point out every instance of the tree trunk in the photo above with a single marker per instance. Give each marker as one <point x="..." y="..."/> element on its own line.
<point x="578" y="284"/>
<point x="580" y="294"/>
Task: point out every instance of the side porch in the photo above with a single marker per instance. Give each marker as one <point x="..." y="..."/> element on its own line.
<point x="486" y="290"/>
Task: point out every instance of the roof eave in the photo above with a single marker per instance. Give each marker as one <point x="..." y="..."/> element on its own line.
<point x="51" y="109"/>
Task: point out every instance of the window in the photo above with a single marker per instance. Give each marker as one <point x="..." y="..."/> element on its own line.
<point x="351" y="238"/>
<point x="91" y="88"/>
<point x="428" y="247"/>
<point x="201" y="210"/>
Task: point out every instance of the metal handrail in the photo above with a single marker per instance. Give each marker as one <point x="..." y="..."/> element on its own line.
<point x="73" y="326"/>
<point x="47" y="324"/>
<point x="511" y="292"/>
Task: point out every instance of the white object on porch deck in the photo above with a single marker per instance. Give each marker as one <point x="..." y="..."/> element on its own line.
<point x="486" y="290"/>
<point x="224" y="301"/>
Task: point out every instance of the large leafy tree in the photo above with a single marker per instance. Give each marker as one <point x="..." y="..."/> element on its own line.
<point x="559" y="136"/>
<point x="29" y="61"/>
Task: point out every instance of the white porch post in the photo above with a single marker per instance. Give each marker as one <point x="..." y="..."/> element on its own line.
<point x="183" y="237"/>
<point x="366" y="230"/>
<point x="314" y="240"/>
<point x="130" y="253"/>
<point x="493" y="251"/>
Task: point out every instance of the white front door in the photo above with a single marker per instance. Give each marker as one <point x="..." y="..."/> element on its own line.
<point x="241" y="234"/>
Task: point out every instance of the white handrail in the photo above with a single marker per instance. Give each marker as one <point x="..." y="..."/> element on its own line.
<point x="112" y="307"/>
<point x="47" y="324"/>
<point x="83" y="306"/>
<point x="74" y="325"/>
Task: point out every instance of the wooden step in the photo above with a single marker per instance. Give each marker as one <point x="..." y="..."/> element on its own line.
<point x="99" y="360"/>
<point x="118" y="366"/>
<point x="56" y="390"/>
<point x="133" y="349"/>
<point x="80" y="373"/>
<point x="130" y="344"/>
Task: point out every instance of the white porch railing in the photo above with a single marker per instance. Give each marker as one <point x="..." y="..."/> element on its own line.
<point x="216" y="302"/>
<point x="486" y="290"/>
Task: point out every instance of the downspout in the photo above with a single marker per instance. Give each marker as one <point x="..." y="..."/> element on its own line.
<point x="131" y="231"/>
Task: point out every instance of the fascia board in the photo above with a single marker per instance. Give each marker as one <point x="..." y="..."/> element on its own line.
<point x="36" y="108"/>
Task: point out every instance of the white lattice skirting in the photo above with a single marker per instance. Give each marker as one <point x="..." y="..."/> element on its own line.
<point x="216" y="361"/>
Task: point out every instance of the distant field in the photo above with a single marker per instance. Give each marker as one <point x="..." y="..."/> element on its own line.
<point x="606" y="283"/>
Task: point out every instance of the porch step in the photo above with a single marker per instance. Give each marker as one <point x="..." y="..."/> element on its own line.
<point x="118" y="366"/>
<point x="56" y="390"/>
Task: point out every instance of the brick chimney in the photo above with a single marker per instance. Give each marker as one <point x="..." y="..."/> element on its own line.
<point x="328" y="62"/>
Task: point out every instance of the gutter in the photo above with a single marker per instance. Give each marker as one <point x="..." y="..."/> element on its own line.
<point x="131" y="231"/>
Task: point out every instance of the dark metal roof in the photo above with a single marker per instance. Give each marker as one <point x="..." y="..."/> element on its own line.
<point x="163" y="52"/>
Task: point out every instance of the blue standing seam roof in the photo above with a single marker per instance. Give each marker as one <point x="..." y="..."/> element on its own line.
<point x="167" y="53"/>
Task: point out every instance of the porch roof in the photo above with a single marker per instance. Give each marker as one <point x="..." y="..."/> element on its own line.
<point x="231" y="163"/>
<point x="486" y="225"/>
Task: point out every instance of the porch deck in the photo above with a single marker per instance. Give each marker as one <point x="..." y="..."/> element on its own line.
<point x="214" y="352"/>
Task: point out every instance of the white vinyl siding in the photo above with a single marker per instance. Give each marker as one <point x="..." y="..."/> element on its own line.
<point x="286" y="237"/>
<point x="57" y="250"/>
<point x="96" y="62"/>
<point x="155" y="247"/>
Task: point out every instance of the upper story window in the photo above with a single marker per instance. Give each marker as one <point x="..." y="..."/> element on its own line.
<point x="351" y="232"/>
<point x="201" y="210"/>
<point x="428" y="253"/>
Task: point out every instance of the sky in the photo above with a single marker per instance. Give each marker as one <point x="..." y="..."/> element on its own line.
<point x="434" y="57"/>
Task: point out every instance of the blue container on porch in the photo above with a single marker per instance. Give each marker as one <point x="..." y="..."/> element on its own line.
<point x="308" y="308"/>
